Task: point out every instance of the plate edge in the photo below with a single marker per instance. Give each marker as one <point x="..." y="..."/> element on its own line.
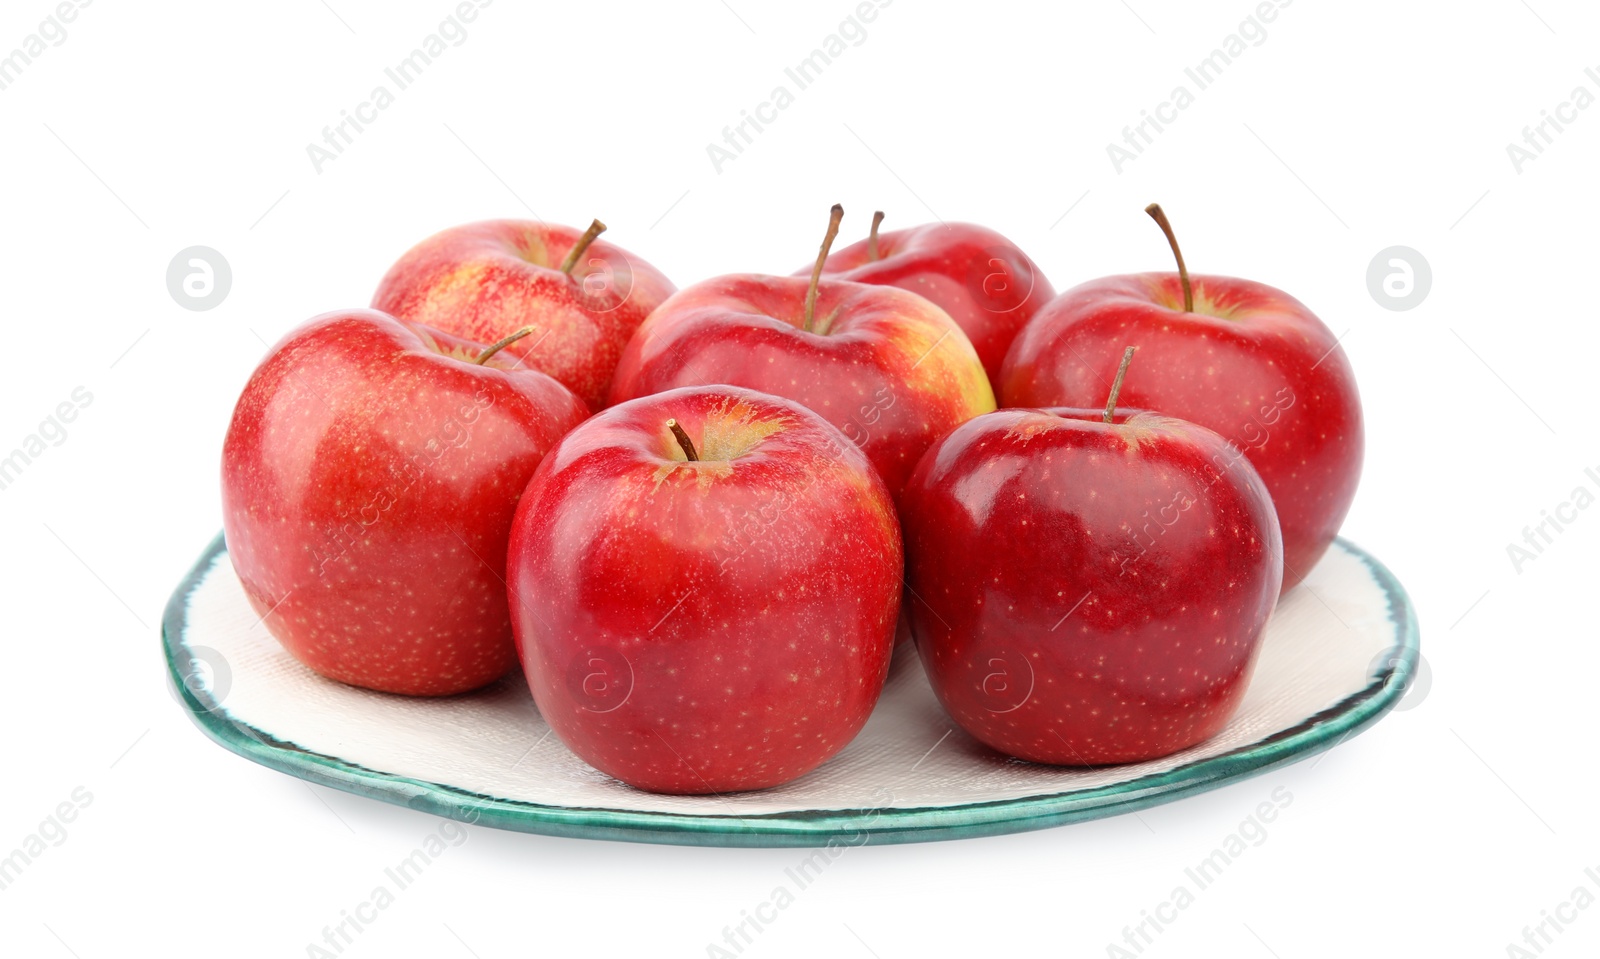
<point x="1349" y="717"/>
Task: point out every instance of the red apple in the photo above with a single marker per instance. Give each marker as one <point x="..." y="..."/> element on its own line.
<point x="705" y="584"/>
<point x="369" y="477"/>
<point x="983" y="280"/>
<point x="1244" y="359"/>
<point x="1088" y="592"/>
<point x="484" y="281"/>
<point x="887" y="367"/>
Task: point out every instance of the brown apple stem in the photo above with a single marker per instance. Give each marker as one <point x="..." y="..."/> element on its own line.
<point x="595" y="229"/>
<point x="872" y="238"/>
<point x="489" y="351"/>
<point x="834" y="217"/>
<point x="1160" y="216"/>
<point x="1116" y="384"/>
<point x="683" y="440"/>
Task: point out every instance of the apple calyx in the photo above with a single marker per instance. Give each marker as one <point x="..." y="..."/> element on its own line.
<point x="595" y="229"/>
<point x="494" y="348"/>
<point x="1160" y="216"/>
<point x="872" y="238"/>
<point x="1122" y="370"/>
<point x="835" y="215"/>
<point x="683" y="440"/>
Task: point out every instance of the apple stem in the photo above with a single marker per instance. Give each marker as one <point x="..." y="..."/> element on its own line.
<point x="834" y="217"/>
<point x="489" y="351"/>
<point x="1116" y="384"/>
<point x="683" y="440"/>
<point x="872" y="238"/>
<point x="595" y="229"/>
<point x="1160" y="216"/>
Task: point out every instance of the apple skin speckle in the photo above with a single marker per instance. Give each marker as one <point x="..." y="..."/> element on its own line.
<point x="1251" y="362"/>
<point x="888" y="368"/>
<point x="1062" y="627"/>
<point x="484" y="281"/>
<point x="369" y="477"/>
<point x="708" y="626"/>
<point x="983" y="280"/>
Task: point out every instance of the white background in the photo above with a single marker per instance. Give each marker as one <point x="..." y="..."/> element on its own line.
<point x="1352" y="127"/>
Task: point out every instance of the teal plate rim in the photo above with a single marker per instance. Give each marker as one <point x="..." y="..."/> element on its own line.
<point x="1315" y="734"/>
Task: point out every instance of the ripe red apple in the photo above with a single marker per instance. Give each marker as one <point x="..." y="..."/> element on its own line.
<point x="983" y="280"/>
<point x="484" y="281"/>
<point x="1088" y="591"/>
<point x="369" y="477"/>
<point x="704" y="585"/>
<point x="1244" y="359"/>
<point x="887" y="367"/>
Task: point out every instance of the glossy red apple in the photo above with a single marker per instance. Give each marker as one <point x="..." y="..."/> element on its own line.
<point x="1249" y="361"/>
<point x="1088" y="592"/>
<point x="888" y="368"/>
<point x="369" y="477"/>
<point x="983" y="280"/>
<point x="484" y="281"/>
<point x="705" y="584"/>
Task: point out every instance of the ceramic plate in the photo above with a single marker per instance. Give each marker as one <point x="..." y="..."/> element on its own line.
<point x="1338" y="654"/>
